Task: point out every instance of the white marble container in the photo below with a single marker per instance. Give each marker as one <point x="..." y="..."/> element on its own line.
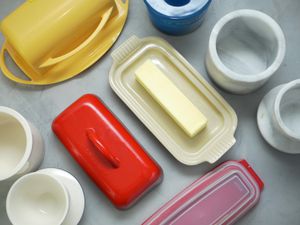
<point x="278" y="117"/>
<point x="246" y="48"/>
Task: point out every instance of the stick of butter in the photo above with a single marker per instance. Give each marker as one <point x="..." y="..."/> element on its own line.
<point x="171" y="99"/>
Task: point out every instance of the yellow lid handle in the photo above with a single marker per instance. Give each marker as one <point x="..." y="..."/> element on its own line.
<point x="103" y="22"/>
<point x="122" y="3"/>
<point x="6" y="71"/>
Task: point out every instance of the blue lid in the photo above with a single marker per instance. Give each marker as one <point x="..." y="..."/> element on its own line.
<point x="177" y="8"/>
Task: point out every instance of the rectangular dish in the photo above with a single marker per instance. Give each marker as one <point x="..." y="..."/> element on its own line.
<point x="107" y="152"/>
<point x="220" y="197"/>
<point x="210" y="144"/>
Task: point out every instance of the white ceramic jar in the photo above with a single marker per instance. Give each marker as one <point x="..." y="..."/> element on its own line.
<point x="21" y="146"/>
<point x="278" y="117"/>
<point x="246" y="48"/>
<point x="46" y="197"/>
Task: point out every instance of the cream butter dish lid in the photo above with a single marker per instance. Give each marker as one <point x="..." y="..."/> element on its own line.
<point x="208" y="145"/>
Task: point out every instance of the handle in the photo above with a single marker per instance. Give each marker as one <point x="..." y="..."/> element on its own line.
<point x="103" y="22"/>
<point x="6" y="71"/>
<point x="215" y="152"/>
<point x="125" y="49"/>
<point x="113" y="160"/>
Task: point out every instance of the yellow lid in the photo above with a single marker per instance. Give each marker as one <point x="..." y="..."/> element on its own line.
<point x="53" y="41"/>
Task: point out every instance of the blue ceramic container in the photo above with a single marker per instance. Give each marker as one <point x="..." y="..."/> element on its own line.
<point x="177" y="17"/>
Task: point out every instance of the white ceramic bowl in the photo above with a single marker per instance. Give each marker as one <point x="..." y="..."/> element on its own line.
<point x="37" y="199"/>
<point x="21" y="145"/>
<point x="278" y="117"/>
<point x="76" y="195"/>
<point x="246" y="48"/>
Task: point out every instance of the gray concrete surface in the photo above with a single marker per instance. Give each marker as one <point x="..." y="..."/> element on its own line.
<point x="280" y="201"/>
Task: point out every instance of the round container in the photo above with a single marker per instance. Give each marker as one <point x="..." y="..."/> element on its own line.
<point x="246" y="48"/>
<point x="278" y="117"/>
<point x="21" y="146"/>
<point x="47" y="197"/>
<point x="37" y="199"/>
<point x="177" y="17"/>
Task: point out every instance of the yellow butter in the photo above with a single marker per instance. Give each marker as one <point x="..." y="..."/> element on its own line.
<point x="171" y="99"/>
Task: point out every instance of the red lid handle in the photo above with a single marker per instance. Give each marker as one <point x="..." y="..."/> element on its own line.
<point x="253" y="174"/>
<point x="113" y="160"/>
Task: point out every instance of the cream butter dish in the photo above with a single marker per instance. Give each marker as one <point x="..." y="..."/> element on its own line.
<point x="206" y="146"/>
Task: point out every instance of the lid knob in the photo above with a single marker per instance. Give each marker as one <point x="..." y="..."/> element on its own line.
<point x="113" y="160"/>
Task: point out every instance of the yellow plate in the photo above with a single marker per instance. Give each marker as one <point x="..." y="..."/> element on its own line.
<point x="43" y="67"/>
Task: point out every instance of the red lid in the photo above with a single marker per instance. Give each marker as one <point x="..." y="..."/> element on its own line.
<point x="106" y="151"/>
<point x="253" y="174"/>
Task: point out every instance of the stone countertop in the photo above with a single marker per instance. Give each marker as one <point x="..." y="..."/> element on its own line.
<point x="280" y="201"/>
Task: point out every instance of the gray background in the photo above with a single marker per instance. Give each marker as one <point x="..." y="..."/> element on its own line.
<point x="280" y="201"/>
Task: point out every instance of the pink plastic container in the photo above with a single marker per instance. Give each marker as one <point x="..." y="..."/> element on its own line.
<point x="220" y="197"/>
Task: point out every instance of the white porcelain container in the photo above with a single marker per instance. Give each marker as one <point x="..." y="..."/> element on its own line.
<point x="21" y="146"/>
<point x="246" y="48"/>
<point x="46" y="197"/>
<point x="278" y="117"/>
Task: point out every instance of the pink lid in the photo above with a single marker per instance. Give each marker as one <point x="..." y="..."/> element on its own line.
<point x="220" y="197"/>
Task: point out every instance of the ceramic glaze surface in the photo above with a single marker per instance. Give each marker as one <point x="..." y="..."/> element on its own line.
<point x="177" y="17"/>
<point x="13" y="144"/>
<point x="37" y="199"/>
<point x="247" y="46"/>
<point x="75" y="192"/>
<point x="208" y="145"/>
<point x="51" y="42"/>
<point x="113" y="159"/>
<point x="21" y="146"/>
<point x="168" y="8"/>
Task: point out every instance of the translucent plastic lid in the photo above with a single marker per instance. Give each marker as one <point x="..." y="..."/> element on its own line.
<point x="220" y="197"/>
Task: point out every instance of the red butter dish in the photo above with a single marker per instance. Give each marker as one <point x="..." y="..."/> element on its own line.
<point x="106" y="151"/>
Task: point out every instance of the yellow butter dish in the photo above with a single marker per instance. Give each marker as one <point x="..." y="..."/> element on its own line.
<point x="183" y="111"/>
<point x="52" y="41"/>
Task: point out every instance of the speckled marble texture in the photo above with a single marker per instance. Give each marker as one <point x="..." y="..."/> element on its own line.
<point x="279" y="123"/>
<point x="280" y="201"/>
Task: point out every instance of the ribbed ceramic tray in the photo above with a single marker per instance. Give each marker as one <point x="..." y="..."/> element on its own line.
<point x="210" y="144"/>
